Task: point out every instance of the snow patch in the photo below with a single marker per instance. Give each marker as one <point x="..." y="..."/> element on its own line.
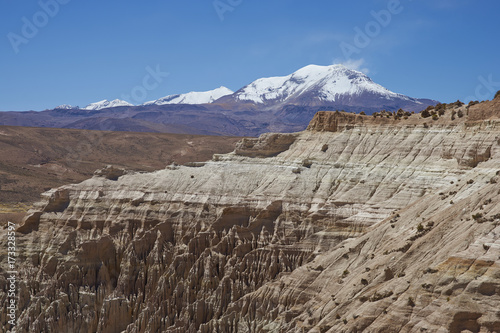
<point x="193" y="97"/>
<point x="65" y="107"/>
<point x="107" y="104"/>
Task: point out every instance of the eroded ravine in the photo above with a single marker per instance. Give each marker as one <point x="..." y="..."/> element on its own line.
<point x="351" y="225"/>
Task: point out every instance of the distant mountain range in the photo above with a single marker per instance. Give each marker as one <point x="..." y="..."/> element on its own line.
<point x="279" y="104"/>
<point x="193" y="97"/>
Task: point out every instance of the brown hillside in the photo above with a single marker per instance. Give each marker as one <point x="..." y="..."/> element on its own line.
<point x="36" y="159"/>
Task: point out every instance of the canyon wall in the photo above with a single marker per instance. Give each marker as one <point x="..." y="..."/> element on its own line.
<point x="356" y="224"/>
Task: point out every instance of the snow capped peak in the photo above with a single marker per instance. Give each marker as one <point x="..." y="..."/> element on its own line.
<point x="65" y="107"/>
<point x="327" y="83"/>
<point x="318" y="70"/>
<point x="193" y="97"/>
<point x="312" y="85"/>
<point x="107" y="104"/>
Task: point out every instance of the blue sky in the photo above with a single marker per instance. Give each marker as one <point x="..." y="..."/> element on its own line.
<point x="85" y="51"/>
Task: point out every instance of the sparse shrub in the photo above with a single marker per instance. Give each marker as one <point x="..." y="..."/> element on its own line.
<point x="324" y="148"/>
<point x="364" y="282"/>
<point x="486" y="247"/>
<point x="296" y="170"/>
<point x="435" y="117"/>
<point x="477" y="216"/>
<point x="497" y="94"/>
<point x="345" y="273"/>
<point x="425" y="113"/>
<point x="362" y="113"/>
<point x="460" y="113"/>
<point x="411" y="302"/>
<point x="307" y="163"/>
<point x="440" y="106"/>
<point x="470" y="181"/>
<point x="430" y="271"/>
<point x="420" y="228"/>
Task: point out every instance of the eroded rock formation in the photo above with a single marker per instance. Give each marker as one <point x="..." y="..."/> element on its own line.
<point x="353" y="225"/>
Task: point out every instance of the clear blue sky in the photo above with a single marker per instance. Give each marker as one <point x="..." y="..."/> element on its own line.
<point x="92" y="50"/>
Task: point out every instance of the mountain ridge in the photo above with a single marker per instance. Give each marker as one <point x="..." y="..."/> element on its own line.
<point x="105" y="104"/>
<point x="329" y="82"/>
<point x="193" y="97"/>
<point x="276" y="104"/>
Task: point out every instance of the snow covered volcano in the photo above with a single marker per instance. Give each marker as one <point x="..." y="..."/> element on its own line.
<point x="314" y="85"/>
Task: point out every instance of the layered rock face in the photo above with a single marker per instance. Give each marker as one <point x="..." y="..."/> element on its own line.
<point x="352" y="225"/>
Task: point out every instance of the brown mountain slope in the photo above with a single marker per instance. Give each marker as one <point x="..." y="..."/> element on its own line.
<point x="36" y="159"/>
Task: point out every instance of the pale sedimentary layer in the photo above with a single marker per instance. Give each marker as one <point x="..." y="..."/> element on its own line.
<point x="351" y="225"/>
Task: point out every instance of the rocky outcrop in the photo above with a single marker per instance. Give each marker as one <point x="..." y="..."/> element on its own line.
<point x="353" y="225"/>
<point x="330" y="121"/>
<point x="485" y="110"/>
<point x="267" y="145"/>
<point x="110" y="172"/>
